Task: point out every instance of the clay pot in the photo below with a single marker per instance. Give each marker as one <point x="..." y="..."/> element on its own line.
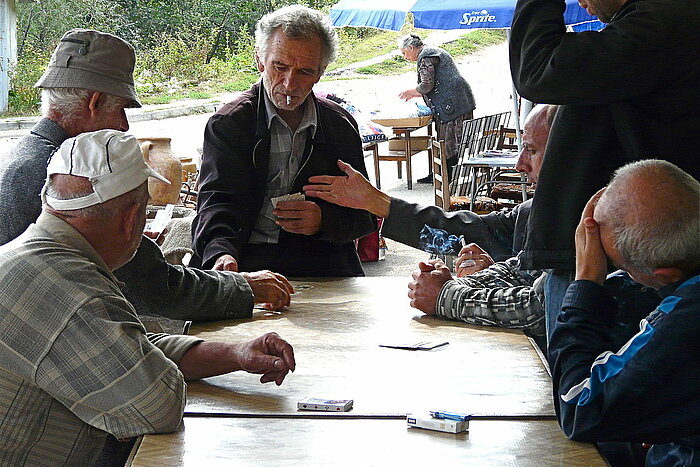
<point x="157" y="154"/>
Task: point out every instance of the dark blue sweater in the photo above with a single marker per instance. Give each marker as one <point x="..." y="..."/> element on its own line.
<point x="648" y="390"/>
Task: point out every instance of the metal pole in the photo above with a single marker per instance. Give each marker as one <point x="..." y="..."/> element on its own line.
<point x="526" y="110"/>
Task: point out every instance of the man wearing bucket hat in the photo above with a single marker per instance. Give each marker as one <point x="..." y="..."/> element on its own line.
<point x="86" y="87"/>
<point x="78" y="364"/>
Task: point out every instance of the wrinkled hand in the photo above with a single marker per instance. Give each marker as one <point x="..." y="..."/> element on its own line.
<point x="426" y="285"/>
<point x="352" y="190"/>
<point x="226" y="263"/>
<point x="268" y="355"/>
<point x="298" y="217"/>
<point x="409" y="94"/>
<point x="270" y="288"/>
<point x="591" y="262"/>
<point x="472" y="258"/>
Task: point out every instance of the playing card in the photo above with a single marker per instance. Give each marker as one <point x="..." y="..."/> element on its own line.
<point x="290" y="197"/>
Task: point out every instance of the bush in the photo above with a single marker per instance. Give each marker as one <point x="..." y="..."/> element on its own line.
<point x="24" y="98"/>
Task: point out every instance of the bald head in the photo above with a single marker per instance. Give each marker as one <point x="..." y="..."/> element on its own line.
<point x="535" y="136"/>
<point x="649" y="218"/>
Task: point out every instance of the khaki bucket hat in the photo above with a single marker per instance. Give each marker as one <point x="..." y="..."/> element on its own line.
<point x="93" y="60"/>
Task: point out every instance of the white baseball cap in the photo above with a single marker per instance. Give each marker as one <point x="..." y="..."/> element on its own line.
<point x="110" y="159"/>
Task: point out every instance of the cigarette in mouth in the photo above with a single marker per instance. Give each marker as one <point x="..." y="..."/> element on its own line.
<point x="289" y="100"/>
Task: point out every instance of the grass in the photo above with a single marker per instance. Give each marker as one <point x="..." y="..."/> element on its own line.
<point x="474" y="41"/>
<point x="391" y="66"/>
<point x="357" y="45"/>
<point x="461" y="47"/>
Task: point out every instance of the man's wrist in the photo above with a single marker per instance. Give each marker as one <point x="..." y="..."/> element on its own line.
<point x="380" y="204"/>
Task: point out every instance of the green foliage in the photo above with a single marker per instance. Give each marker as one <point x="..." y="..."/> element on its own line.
<point x="465" y="45"/>
<point x="358" y="44"/>
<point x="24" y="98"/>
<point x="474" y="41"/>
<point x="391" y="66"/>
<point x="187" y="49"/>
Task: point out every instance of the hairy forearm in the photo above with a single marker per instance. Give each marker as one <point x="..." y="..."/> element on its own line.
<point x="206" y="359"/>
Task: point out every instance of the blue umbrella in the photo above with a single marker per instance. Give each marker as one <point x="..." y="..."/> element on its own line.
<point x="444" y="14"/>
<point x="448" y="14"/>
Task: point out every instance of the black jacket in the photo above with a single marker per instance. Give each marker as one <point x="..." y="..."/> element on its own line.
<point x="233" y="182"/>
<point x="631" y="91"/>
<point x="501" y="234"/>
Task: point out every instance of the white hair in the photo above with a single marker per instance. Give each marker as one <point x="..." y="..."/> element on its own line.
<point x="69" y="101"/>
<point x="410" y="40"/>
<point x="298" y="22"/>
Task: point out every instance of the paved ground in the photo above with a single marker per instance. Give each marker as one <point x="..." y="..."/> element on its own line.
<point x="486" y="71"/>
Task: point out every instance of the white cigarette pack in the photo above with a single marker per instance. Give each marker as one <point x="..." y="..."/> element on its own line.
<point x="427" y="422"/>
<point x="325" y="405"/>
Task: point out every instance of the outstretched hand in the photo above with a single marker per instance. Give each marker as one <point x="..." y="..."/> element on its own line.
<point x="351" y="190"/>
<point x="591" y="261"/>
<point x="409" y="94"/>
<point x="427" y="284"/>
<point x="268" y="355"/>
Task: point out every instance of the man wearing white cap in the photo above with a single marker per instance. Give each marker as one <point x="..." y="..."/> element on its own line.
<point x="77" y="362"/>
<point x="86" y="87"/>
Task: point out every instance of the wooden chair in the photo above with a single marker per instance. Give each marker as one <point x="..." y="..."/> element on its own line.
<point x="507" y="138"/>
<point x="441" y="183"/>
<point x="478" y="135"/>
<point x="441" y="186"/>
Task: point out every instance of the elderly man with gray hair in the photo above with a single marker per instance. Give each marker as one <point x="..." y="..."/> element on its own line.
<point x="77" y="363"/>
<point x="86" y="87"/>
<point x="263" y="146"/>
<point x="646" y="222"/>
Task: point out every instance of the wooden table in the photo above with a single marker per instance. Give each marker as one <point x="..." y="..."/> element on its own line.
<point x="405" y="155"/>
<point x="280" y="442"/>
<point x="336" y="326"/>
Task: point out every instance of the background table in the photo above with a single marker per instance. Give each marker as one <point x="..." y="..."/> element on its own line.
<point x="336" y="327"/>
<point x="404" y="155"/>
<point x="469" y="172"/>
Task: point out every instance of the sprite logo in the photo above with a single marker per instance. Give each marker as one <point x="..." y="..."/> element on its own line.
<point x="482" y="16"/>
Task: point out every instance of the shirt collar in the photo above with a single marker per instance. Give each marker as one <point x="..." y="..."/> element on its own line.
<point x="668" y="289"/>
<point x="65" y="233"/>
<point x="309" y="119"/>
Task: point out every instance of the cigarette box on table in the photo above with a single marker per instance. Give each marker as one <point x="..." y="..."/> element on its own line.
<point x="325" y="405"/>
<point x="427" y="422"/>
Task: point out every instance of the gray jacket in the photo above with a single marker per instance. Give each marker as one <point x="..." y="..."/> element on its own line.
<point x="152" y="285"/>
<point x="451" y="96"/>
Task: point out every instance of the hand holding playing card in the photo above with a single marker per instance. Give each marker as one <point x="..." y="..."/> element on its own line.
<point x="298" y="217"/>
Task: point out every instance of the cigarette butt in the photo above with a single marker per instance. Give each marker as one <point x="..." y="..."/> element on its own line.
<point x="289" y="100"/>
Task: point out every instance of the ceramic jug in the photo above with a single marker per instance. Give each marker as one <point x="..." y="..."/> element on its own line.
<point x="157" y="154"/>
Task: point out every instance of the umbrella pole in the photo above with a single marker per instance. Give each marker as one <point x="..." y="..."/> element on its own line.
<point x="517" y="116"/>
